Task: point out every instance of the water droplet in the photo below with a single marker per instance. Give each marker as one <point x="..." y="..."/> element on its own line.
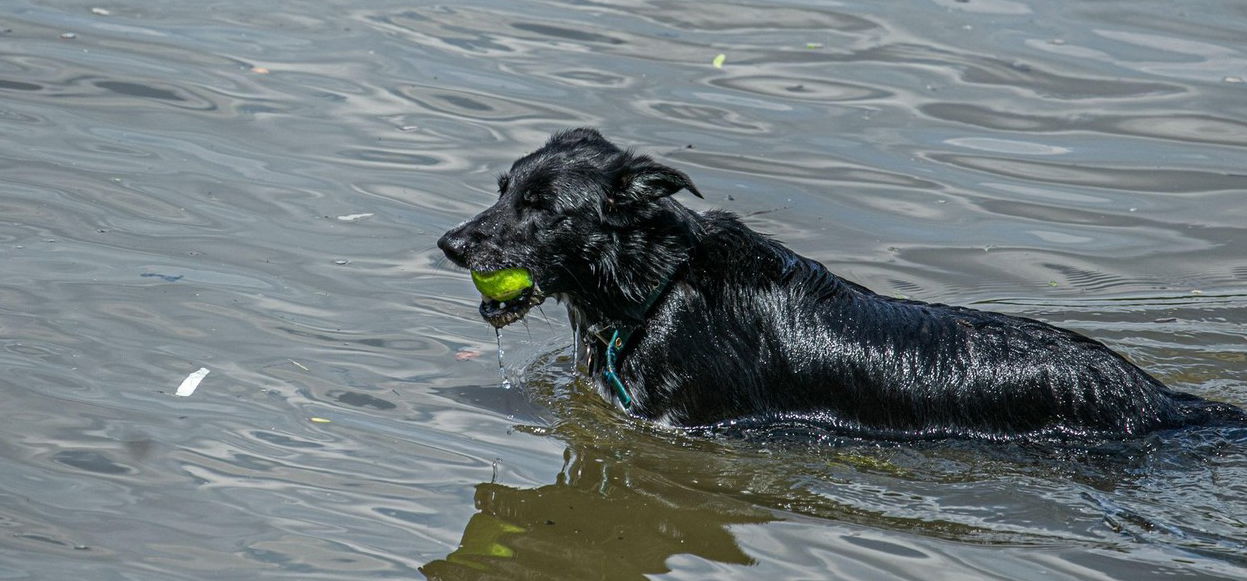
<point x="506" y="383"/>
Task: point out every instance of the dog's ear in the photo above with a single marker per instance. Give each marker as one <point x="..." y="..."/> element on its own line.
<point x="645" y="180"/>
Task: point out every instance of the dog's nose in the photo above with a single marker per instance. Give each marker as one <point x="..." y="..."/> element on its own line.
<point x="454" y="245"/>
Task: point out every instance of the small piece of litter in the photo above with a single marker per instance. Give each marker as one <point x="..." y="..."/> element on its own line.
<point x="191" y="382"/>
<point x="1197" y="292"/>
<point x="299" y="365"/>
<point x="1233" y="80"/>
<point x="466" y="354"/>
<point x="813" y="45"/>
<point x="354" y="217"/>
<point x="260" y="70"/>
<point x="100" y="11"/>
<point x="321" y="420"/>
<point x="718" y="61"/>
<point x="341" y="262"/>
<point x="69" y="35"/>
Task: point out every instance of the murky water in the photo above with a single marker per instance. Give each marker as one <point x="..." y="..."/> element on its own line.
<point x="256" y="189"/>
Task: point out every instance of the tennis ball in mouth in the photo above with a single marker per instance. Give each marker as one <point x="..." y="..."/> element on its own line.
<point x="504" y="284"/>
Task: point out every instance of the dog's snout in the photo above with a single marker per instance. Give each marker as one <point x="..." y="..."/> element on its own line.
<point x="454" y="245"/>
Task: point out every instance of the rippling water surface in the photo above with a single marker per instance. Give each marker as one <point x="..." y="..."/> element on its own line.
<point x="256" y="189"/>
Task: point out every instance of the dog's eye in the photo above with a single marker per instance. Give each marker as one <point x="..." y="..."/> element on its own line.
<point x="532" y="198"/>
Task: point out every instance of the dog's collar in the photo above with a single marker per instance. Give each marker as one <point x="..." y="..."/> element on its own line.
<point x="613" y="347"/>
<point x="618" y="340"/>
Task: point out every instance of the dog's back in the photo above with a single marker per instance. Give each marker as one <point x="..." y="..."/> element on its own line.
<point x="765" y="334"/>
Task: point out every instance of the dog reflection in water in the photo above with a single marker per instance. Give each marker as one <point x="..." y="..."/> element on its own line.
<point x="590" y="523"/>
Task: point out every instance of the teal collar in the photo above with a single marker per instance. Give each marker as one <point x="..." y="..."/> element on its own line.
<point x="613" y="348"/>
<point x="619" y="340"/>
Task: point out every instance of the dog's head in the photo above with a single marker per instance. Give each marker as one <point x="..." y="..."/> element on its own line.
<point x="592" y="224"/>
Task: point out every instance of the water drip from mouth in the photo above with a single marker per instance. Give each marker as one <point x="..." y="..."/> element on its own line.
<point x="506" y="383"/>
<point x="576" y="348"/>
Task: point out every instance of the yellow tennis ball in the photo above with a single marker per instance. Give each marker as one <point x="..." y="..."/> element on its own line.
<point x="504" y="284"/>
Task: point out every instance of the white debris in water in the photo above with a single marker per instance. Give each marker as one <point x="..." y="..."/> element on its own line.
<point x="354" y="217"/>
<point x="191" y="382"/>
<point x="100" y="11"/>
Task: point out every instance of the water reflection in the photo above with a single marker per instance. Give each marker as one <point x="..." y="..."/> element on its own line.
<point x="600" y="514"/>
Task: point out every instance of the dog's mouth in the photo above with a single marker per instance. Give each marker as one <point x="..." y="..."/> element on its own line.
<point x="503" y="313"/>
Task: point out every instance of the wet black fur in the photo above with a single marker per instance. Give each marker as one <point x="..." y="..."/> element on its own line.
<point x="744" y="332"/>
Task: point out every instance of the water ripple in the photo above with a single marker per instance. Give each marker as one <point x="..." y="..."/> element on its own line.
<point x="174" y="180"/>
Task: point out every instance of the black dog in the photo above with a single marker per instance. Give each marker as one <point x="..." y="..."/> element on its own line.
<point x="694" y="319"/>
